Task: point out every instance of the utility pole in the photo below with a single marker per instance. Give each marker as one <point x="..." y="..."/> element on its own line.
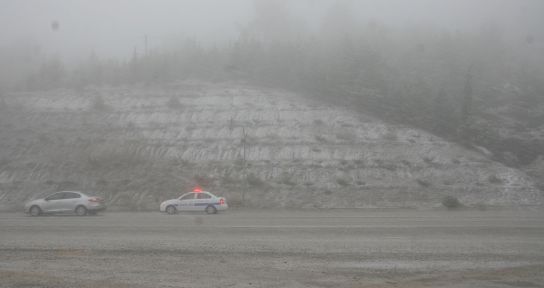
<point x="244" y="170"/>
<point x="467" y="100"/>
<point x="145" y="44"/>
<point x="244" y="135"/>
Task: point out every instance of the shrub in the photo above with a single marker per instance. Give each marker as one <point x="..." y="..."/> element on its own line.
<point x="319" y="122"/>
<point x="423" y="183"/>
<point x="360" y="163"/>
<point x="255" y="181"/>
<point x="342" y="181"/>
<point x="389" y="166"/>
<point x="4" y="161"/>
<point x="451" y="202"/>
<point x="287" y="179"/>
<point x="98" y="104"/>
<point x="361" y="183"/>
<point x="494" y="179"/>
<point x="448" y="182"/>
<point x="274" y="137"/>
<point x="391" y="135"/>
<point x="131" y="126"/>
<point x="349" y="167"/>
<point x="428" y="160"/>
<point x="173" y="103"/>
<point x="345" y="136"/>
<point x="320" y="138"/>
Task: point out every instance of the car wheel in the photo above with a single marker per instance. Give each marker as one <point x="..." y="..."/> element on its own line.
<point x="211" y="210"/>
<point x="35" y="211"/>
<point x="81" y="211"/>
<point x="171" y="210"/>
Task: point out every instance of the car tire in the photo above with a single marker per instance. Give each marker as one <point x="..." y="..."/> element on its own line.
<point x="171" y="210"/>
<point x="211" y="210"/>
<point x="35" y="211"/>
<point x="81" y="211"/>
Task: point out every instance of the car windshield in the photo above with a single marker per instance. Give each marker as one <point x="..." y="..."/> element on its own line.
<point x="272" y="143"/>
<point x="187" y="196"/>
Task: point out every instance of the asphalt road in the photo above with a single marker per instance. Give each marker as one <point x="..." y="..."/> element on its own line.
<point x="275" y="248"/>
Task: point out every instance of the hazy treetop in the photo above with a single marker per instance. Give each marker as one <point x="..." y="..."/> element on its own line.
<point x="75" y="28"/>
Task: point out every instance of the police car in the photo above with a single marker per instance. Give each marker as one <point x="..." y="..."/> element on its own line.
<point x="197" y="200"/>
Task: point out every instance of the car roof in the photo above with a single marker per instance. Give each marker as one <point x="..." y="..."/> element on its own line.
<point x="201" y="192"/>
<point x="78" y="192"/>
<point x="81" y="193"/>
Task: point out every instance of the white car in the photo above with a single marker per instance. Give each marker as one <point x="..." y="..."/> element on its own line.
<point x="196" y="200"/>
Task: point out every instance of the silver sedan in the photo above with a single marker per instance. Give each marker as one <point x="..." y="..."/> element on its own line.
<point x="65" y="202"/>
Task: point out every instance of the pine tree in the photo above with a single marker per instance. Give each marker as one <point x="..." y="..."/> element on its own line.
<point x="466" y="109"/>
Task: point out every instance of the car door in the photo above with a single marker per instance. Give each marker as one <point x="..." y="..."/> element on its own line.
<point x="186" y="202"/>
<point x="69" y="202"/>
<point x="52" y="203"/>
<point x="202" y="200"/>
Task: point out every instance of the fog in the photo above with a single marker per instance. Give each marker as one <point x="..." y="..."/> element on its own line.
<point x="395" y="59"/>
<point x="116" y="28"/>
<point x="272" y="143"/>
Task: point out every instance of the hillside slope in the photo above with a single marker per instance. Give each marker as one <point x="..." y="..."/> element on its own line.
<point x="140" y="145"/>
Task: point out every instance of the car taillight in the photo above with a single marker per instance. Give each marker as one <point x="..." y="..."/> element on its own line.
<point x="95" y="199"/>
<point x="221" y="201"/>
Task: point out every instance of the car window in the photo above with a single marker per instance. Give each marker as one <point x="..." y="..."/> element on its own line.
<point x="71" y="195"/>
<point x="203" y="196"/>
<point x="188" y="196"/>
<point x="55" y="196"/>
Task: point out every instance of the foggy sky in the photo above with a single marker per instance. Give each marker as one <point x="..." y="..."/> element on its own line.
<point x="114" y="28"/>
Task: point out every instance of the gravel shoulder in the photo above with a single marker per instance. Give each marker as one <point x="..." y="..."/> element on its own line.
<point x="275" y="248"/>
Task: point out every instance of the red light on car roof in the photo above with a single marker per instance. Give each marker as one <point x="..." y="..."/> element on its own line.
<point x="197" y="189"/>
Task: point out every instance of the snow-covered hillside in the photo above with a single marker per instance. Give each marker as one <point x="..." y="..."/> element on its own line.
<point x="140" y="145"/>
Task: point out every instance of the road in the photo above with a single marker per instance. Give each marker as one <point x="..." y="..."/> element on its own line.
<point x="275" y="248"/>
